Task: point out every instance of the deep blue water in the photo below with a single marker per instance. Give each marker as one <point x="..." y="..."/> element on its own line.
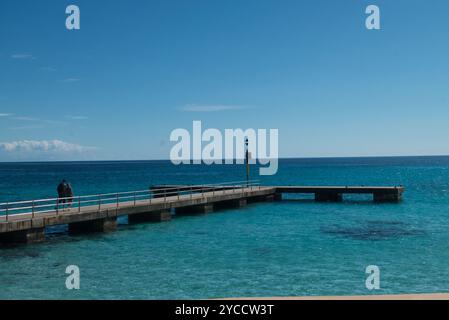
<point x="294" y="247"/>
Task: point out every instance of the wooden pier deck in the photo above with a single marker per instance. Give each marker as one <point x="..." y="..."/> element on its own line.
<point x="26" y="221"/>
<point x="335" y="193"/>
<point x="321" y="193"/>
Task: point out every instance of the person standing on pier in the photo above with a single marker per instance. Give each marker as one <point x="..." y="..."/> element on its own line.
<point x="62" y="186"/>
<point x="69" y="194"/>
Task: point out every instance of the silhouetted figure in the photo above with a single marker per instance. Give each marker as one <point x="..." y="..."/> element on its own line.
<point x="62" y="186"/>
<point x="69" y="194"/>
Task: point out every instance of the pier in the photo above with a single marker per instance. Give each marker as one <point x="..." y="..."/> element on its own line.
<point x="26" y="221"/>
<point x="335" y="193"/>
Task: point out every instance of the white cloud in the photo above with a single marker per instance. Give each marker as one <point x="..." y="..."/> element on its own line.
<point x="22" y="56"/>
<point x="37" y="123"/>
<point x="37" y="126"/>
<point x="69" y="80"/>
<point x="49" y="69"/>
<point x="5" y="114"/>
<point x="210" y="108"/>
<point x="43" y="146"/>
<point x="76" y="117"/>
<point x="26" y="118"/>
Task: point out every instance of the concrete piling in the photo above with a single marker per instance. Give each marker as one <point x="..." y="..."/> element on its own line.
<point x="197" y="209"/>
<point x="98" y="225"/>
<point x="23" y="236"/>
<point x="153" y="216"/>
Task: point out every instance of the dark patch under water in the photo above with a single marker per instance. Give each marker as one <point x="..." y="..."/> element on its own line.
<point x="261" y="251"/>
<point x="14" y="254"/>
<point x="374" y="230"/>
<point x="201" y="233"/>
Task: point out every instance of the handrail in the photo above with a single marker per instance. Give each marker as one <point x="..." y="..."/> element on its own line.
<point x="43" y="205"/>
<point x="124" y="192"/>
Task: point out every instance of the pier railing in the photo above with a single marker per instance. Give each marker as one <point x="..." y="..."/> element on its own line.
<point x="129" y="198"/>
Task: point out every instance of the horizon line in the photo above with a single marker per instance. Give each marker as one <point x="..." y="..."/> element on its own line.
<point x="280" y="158"/>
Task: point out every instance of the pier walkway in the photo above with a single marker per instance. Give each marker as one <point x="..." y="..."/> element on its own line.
<point x="25" y="221"/>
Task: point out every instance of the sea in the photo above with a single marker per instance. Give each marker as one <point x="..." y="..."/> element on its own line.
<point x="295" y="247"/>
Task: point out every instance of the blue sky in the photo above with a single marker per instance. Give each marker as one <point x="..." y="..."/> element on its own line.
<point x="136" y="70"/>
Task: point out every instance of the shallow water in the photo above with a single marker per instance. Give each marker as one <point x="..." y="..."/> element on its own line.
<point x="293" y="247"/>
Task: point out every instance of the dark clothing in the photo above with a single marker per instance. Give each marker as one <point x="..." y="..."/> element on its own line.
<point x="69" y="194"/>
<point x="61" y="192"/>
<point x="65" y="194"/>
<point x="61" y="189"/>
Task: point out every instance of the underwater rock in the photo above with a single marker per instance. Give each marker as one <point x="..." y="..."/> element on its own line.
<point x="374" y="230"/>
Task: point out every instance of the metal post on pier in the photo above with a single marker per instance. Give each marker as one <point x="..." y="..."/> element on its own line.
<point x="99" y="202"/>
<point x="117" y="199"/>
<point x="247" y="160"/>
<point x="7" y="209"/>
<point x="32" y="209"/>
<point x="135" y="199"/>
<point x="79" y="204"/>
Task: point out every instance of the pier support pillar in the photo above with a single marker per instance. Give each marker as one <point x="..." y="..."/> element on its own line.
<point x="97" y="225"/>
<point x="23" y="236"/>
<point x="387" y="197"/>
<point x="240" y="203"/>
<point x="274" y="197"/>
<point x="198" y="209"/>
<point x="229" y="204"/>
<point x="323" y="197"/>
<point x="154" y="216"/>
<point x="269" y="198"/>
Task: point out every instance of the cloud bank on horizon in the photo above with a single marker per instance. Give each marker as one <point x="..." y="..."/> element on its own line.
<point x="210" y="108"/>
<point x="22" y="56"/>
<point x="44" y="149"/>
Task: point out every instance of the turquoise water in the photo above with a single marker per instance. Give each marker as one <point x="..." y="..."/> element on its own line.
<point x="293" y="247"/>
